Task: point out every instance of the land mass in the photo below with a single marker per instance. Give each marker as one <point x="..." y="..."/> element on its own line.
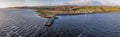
<point x="50" y="11"/>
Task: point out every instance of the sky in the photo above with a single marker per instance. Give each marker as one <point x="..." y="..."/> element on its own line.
<point x="12" y="3"/>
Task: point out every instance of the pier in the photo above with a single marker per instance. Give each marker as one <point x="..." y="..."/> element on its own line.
<point x="50" y="21"/>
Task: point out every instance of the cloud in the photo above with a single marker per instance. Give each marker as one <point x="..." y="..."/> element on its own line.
<point x="93" y="3"/>
<point x="7" y="3"/>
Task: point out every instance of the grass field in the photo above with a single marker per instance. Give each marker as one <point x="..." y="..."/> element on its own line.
<point x="52" y="10"/>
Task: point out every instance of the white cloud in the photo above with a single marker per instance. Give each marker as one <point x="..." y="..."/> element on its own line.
<point x="93" y="2"/>
<point x="9" y="3"/>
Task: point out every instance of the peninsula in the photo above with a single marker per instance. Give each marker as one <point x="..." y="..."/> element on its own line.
<point x="50" y="11"/>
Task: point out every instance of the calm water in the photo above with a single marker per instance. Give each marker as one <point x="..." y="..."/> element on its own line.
<point x="26" y="23"/>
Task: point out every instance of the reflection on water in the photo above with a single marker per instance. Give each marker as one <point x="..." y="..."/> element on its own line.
<point x="25" y="23"/>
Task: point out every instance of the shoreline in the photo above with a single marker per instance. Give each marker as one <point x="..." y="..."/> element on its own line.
<point x="52" y="19"/>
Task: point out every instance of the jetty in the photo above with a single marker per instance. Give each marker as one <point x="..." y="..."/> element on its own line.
<point x="50" y="21"/>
